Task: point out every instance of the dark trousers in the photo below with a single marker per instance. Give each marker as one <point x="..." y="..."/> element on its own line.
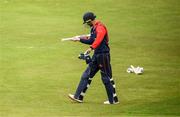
<point x="99" y="62"/>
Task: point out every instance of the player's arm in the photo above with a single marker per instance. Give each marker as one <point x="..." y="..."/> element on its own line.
<point x="87" y="40"/>
<point x="77" y="38"/>
<point x="101" y="32"/>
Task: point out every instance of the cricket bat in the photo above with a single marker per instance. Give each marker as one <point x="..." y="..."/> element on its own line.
<point x="75" y="38"/>
<point x="67" y="39"/>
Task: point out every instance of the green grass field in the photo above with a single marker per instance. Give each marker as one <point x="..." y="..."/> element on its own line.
<point x="37" y="70"/>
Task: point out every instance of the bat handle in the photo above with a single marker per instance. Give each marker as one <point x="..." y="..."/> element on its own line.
<point x="86" y="52"/>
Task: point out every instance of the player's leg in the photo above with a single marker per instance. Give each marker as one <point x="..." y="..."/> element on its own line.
<point x="109" y="69"/>
<point x="86" y="79"/>
<point x="106" y="75"/>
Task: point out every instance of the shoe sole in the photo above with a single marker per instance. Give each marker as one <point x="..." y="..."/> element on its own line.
<point x="75" y="100"/>
<point x="116" y="103"/>
<point x="110" y="104"/>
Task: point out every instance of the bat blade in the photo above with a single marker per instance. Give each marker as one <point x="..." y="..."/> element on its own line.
<point x="75" y="38"/>
<point x="67" y="39"/>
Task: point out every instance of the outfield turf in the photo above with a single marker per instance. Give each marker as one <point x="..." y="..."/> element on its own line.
<point x="37" y="70"/>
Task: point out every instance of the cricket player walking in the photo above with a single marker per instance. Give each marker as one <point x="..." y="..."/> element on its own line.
<point x="98" y="41"/>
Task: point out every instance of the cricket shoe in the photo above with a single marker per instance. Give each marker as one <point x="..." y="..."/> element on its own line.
<point x="74" y="99"/>
<point x="107" y="102"/>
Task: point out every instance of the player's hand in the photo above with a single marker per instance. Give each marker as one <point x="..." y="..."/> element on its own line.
<point x="84" y="37"/>
<point x="76" y="38"/>
<point x="88" y="51"/>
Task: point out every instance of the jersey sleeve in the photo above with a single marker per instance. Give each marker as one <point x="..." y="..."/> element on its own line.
<point x="87" y="41"/>
<point x="100" y="33"/>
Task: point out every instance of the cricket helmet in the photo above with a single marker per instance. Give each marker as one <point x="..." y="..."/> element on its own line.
<point x="88" y="16"/>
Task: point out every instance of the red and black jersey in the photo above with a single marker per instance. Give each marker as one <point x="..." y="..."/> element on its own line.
<point x="98" y="38"/>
